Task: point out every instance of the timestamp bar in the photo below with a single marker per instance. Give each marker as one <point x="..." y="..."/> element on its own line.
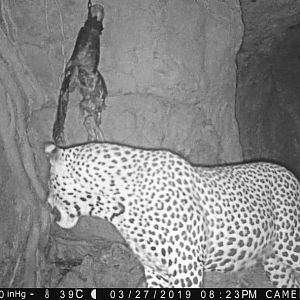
<point x="128" y="293"/>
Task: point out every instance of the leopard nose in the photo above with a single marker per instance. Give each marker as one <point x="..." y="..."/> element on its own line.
<point x="56" y="214"/>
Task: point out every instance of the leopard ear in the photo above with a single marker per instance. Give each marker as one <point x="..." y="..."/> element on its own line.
<point x="52" y="151"/>
<point x="50" y="148"/>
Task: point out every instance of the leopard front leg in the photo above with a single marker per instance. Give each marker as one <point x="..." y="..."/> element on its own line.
<point x="187" y="273"/>
<point x="186" y="266"/>
<point x="155" y="278"/>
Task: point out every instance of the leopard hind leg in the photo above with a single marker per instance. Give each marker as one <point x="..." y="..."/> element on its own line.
<point x="280" y="274"/>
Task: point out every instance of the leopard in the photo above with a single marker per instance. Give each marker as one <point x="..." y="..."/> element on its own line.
<point x="182" y="220"/>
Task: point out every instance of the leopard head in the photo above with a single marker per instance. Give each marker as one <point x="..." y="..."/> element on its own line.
<point x="63" y="207"/>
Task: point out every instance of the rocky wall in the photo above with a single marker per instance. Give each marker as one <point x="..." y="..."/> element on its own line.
<point x="169" y="67"/>
<point x="268" y="103"/>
